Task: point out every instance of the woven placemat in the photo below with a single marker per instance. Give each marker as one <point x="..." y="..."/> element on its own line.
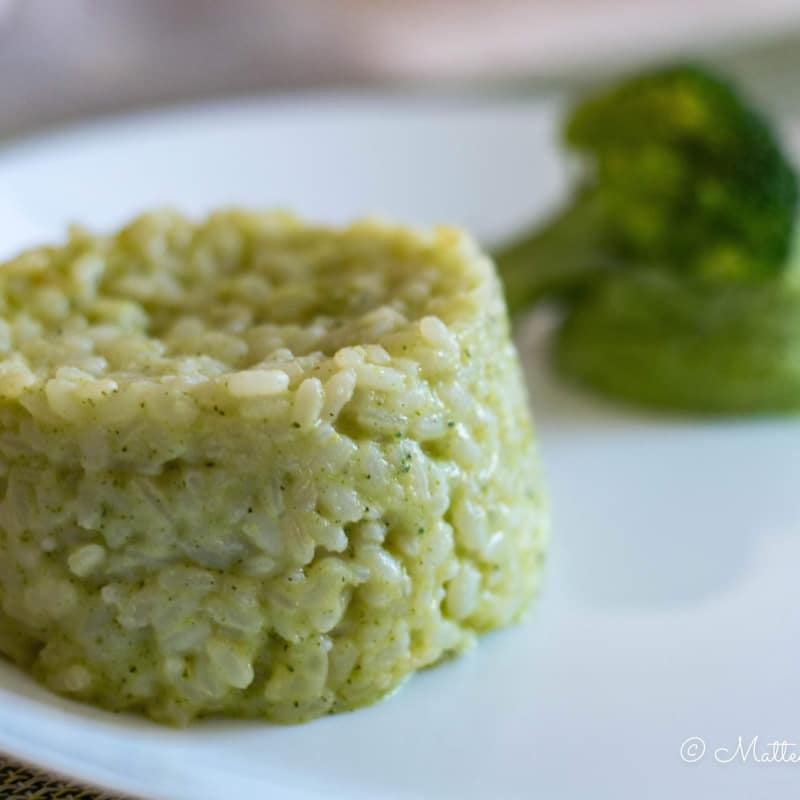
<point x="22" y="782"/>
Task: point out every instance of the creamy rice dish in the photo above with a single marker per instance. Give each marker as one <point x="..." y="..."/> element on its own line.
<point x="258" y="468"/>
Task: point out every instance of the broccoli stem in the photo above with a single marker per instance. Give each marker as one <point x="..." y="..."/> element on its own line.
<point x="686" y="345"/>
<point x="554" y="261"/>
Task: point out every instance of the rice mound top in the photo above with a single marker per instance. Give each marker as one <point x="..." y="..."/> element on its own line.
<point x="255" y="467"/>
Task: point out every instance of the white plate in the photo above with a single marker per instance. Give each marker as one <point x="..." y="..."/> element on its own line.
<point x="670" y="605"/>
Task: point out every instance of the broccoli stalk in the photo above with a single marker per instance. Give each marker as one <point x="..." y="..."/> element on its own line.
<point x="682" y="344"/>
<point x="558" y="259"/>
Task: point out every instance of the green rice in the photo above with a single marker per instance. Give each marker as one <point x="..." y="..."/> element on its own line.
<point x="258" y="468"/>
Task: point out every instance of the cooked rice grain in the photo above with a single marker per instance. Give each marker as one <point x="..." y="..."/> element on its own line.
<point x="258" y="468"/>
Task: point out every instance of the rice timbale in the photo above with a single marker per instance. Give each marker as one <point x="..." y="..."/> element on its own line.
<point x="258" y="468"/>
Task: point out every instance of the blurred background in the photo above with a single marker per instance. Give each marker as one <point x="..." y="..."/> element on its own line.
<point x="64" y="59"/>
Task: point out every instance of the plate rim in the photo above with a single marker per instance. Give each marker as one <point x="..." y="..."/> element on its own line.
<point x="29" y="143"/>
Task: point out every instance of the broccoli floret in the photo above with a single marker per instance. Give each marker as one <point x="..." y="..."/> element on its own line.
<point x="685" y="344"/>
<point x="687" y="174"/>
<point x="680" y="173"/>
